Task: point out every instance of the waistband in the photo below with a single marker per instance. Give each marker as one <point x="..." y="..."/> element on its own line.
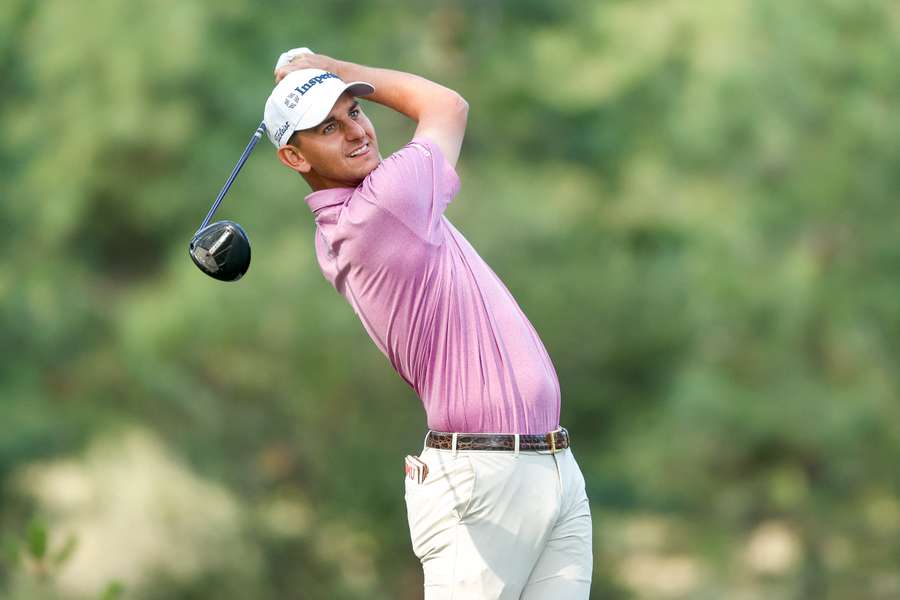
<point x="500" y="442"/>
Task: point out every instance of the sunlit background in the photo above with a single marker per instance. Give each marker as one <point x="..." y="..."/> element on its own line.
<point x="694" y="201"/>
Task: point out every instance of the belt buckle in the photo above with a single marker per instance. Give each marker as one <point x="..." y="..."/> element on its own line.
<point x="551" y="437"/>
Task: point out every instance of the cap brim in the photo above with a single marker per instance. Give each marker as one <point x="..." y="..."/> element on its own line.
<point x="360" y="88"/>
<point x="314" y="118"/>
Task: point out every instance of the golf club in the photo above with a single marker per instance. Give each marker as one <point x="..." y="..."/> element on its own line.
<point x="222" y="249"/>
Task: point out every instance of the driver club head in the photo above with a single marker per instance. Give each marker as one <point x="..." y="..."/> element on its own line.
<point x="221" y="250"/>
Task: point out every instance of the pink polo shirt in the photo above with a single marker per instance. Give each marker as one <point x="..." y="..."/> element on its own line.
<point x="430" y="303"/>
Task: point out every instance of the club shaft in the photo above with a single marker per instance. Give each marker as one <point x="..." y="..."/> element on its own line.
<point x="240" y="163"/>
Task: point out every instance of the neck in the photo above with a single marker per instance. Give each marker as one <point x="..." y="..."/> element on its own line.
<point x="317" y="182"/>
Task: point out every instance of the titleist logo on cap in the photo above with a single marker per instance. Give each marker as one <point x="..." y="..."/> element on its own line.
<point x="282" y="129"/>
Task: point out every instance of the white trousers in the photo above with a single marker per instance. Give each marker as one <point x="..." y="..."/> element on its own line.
<point x="490" y="525"/>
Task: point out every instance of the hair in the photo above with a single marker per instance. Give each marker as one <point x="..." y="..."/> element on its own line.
<point x="294" y="140"/>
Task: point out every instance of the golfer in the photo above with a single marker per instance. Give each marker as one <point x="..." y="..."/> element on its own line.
<point x="496" y="502"/>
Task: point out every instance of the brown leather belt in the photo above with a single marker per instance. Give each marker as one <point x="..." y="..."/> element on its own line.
<point x="503" y="442"/>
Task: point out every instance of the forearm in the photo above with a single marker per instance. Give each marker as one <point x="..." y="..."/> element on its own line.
<point x="414" y="96"/>
<point x="406" y="93"/>
<point x="441" y="113"/>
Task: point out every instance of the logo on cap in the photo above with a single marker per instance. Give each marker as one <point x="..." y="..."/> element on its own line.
<point x="312" y="82"/>
<point x="291" y="100"/>
<point x="281" y="130"/>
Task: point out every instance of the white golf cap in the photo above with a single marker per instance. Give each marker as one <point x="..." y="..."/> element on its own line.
<point x="303" y="99"/>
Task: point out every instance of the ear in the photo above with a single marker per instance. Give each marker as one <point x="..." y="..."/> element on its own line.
<point x="292" y="158"/>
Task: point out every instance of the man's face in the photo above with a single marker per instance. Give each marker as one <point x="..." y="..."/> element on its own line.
<point x="342" y="149"/>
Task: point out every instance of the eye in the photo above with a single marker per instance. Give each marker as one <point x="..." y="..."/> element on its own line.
<point x="328" y="128"/>
<point x="354" y="113"/>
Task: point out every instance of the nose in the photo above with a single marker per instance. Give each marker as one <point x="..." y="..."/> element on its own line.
<point x="353" y="130"/>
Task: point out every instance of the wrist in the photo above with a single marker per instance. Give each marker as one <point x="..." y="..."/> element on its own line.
<point x="338" y="67"/>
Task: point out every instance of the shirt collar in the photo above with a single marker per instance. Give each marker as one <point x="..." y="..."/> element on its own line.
<point x="329" y="197"/>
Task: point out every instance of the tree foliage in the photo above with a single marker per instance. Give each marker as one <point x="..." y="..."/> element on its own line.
<point x="692" y="201"/>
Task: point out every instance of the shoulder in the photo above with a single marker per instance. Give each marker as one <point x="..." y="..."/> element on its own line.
<point x="418" y="166"/>
<point x="414" y="184"/>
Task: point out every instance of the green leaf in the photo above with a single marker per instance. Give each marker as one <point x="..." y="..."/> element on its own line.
<point x="37" y="539"/>
<point x="113" y="591"/>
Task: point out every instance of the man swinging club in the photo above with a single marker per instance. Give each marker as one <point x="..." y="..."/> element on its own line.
<point x="496" y="502"/>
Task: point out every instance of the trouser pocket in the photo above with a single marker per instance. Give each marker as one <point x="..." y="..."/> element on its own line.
<point x="435" y="505"/>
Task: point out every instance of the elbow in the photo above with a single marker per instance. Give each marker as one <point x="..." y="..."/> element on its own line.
<point x="447" y="107"/>
<point x="462" y="107"/>
<point x="459" y="108"/>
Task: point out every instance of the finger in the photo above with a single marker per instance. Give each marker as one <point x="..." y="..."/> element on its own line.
<point x="301" y="63"/>
<point x="282" y="72"/>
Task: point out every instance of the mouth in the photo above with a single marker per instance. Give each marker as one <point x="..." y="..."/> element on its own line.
<point x="361" y="151"/>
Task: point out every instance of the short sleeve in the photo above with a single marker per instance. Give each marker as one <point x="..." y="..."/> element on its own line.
<point x="415" y="184"/>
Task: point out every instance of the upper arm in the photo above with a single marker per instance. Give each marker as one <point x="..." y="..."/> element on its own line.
<point x="444" y="122"/>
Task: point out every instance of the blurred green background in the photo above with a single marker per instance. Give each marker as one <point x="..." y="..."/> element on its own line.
<point x="692" y="200"/>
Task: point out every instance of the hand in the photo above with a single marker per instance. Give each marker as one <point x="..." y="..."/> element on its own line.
<point x="286" y="57"/>
<point x="303" y="58"/>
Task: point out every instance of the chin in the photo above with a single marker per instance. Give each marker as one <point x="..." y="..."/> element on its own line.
<point x="369" y="167"/>
<point x="356" y="175"/>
